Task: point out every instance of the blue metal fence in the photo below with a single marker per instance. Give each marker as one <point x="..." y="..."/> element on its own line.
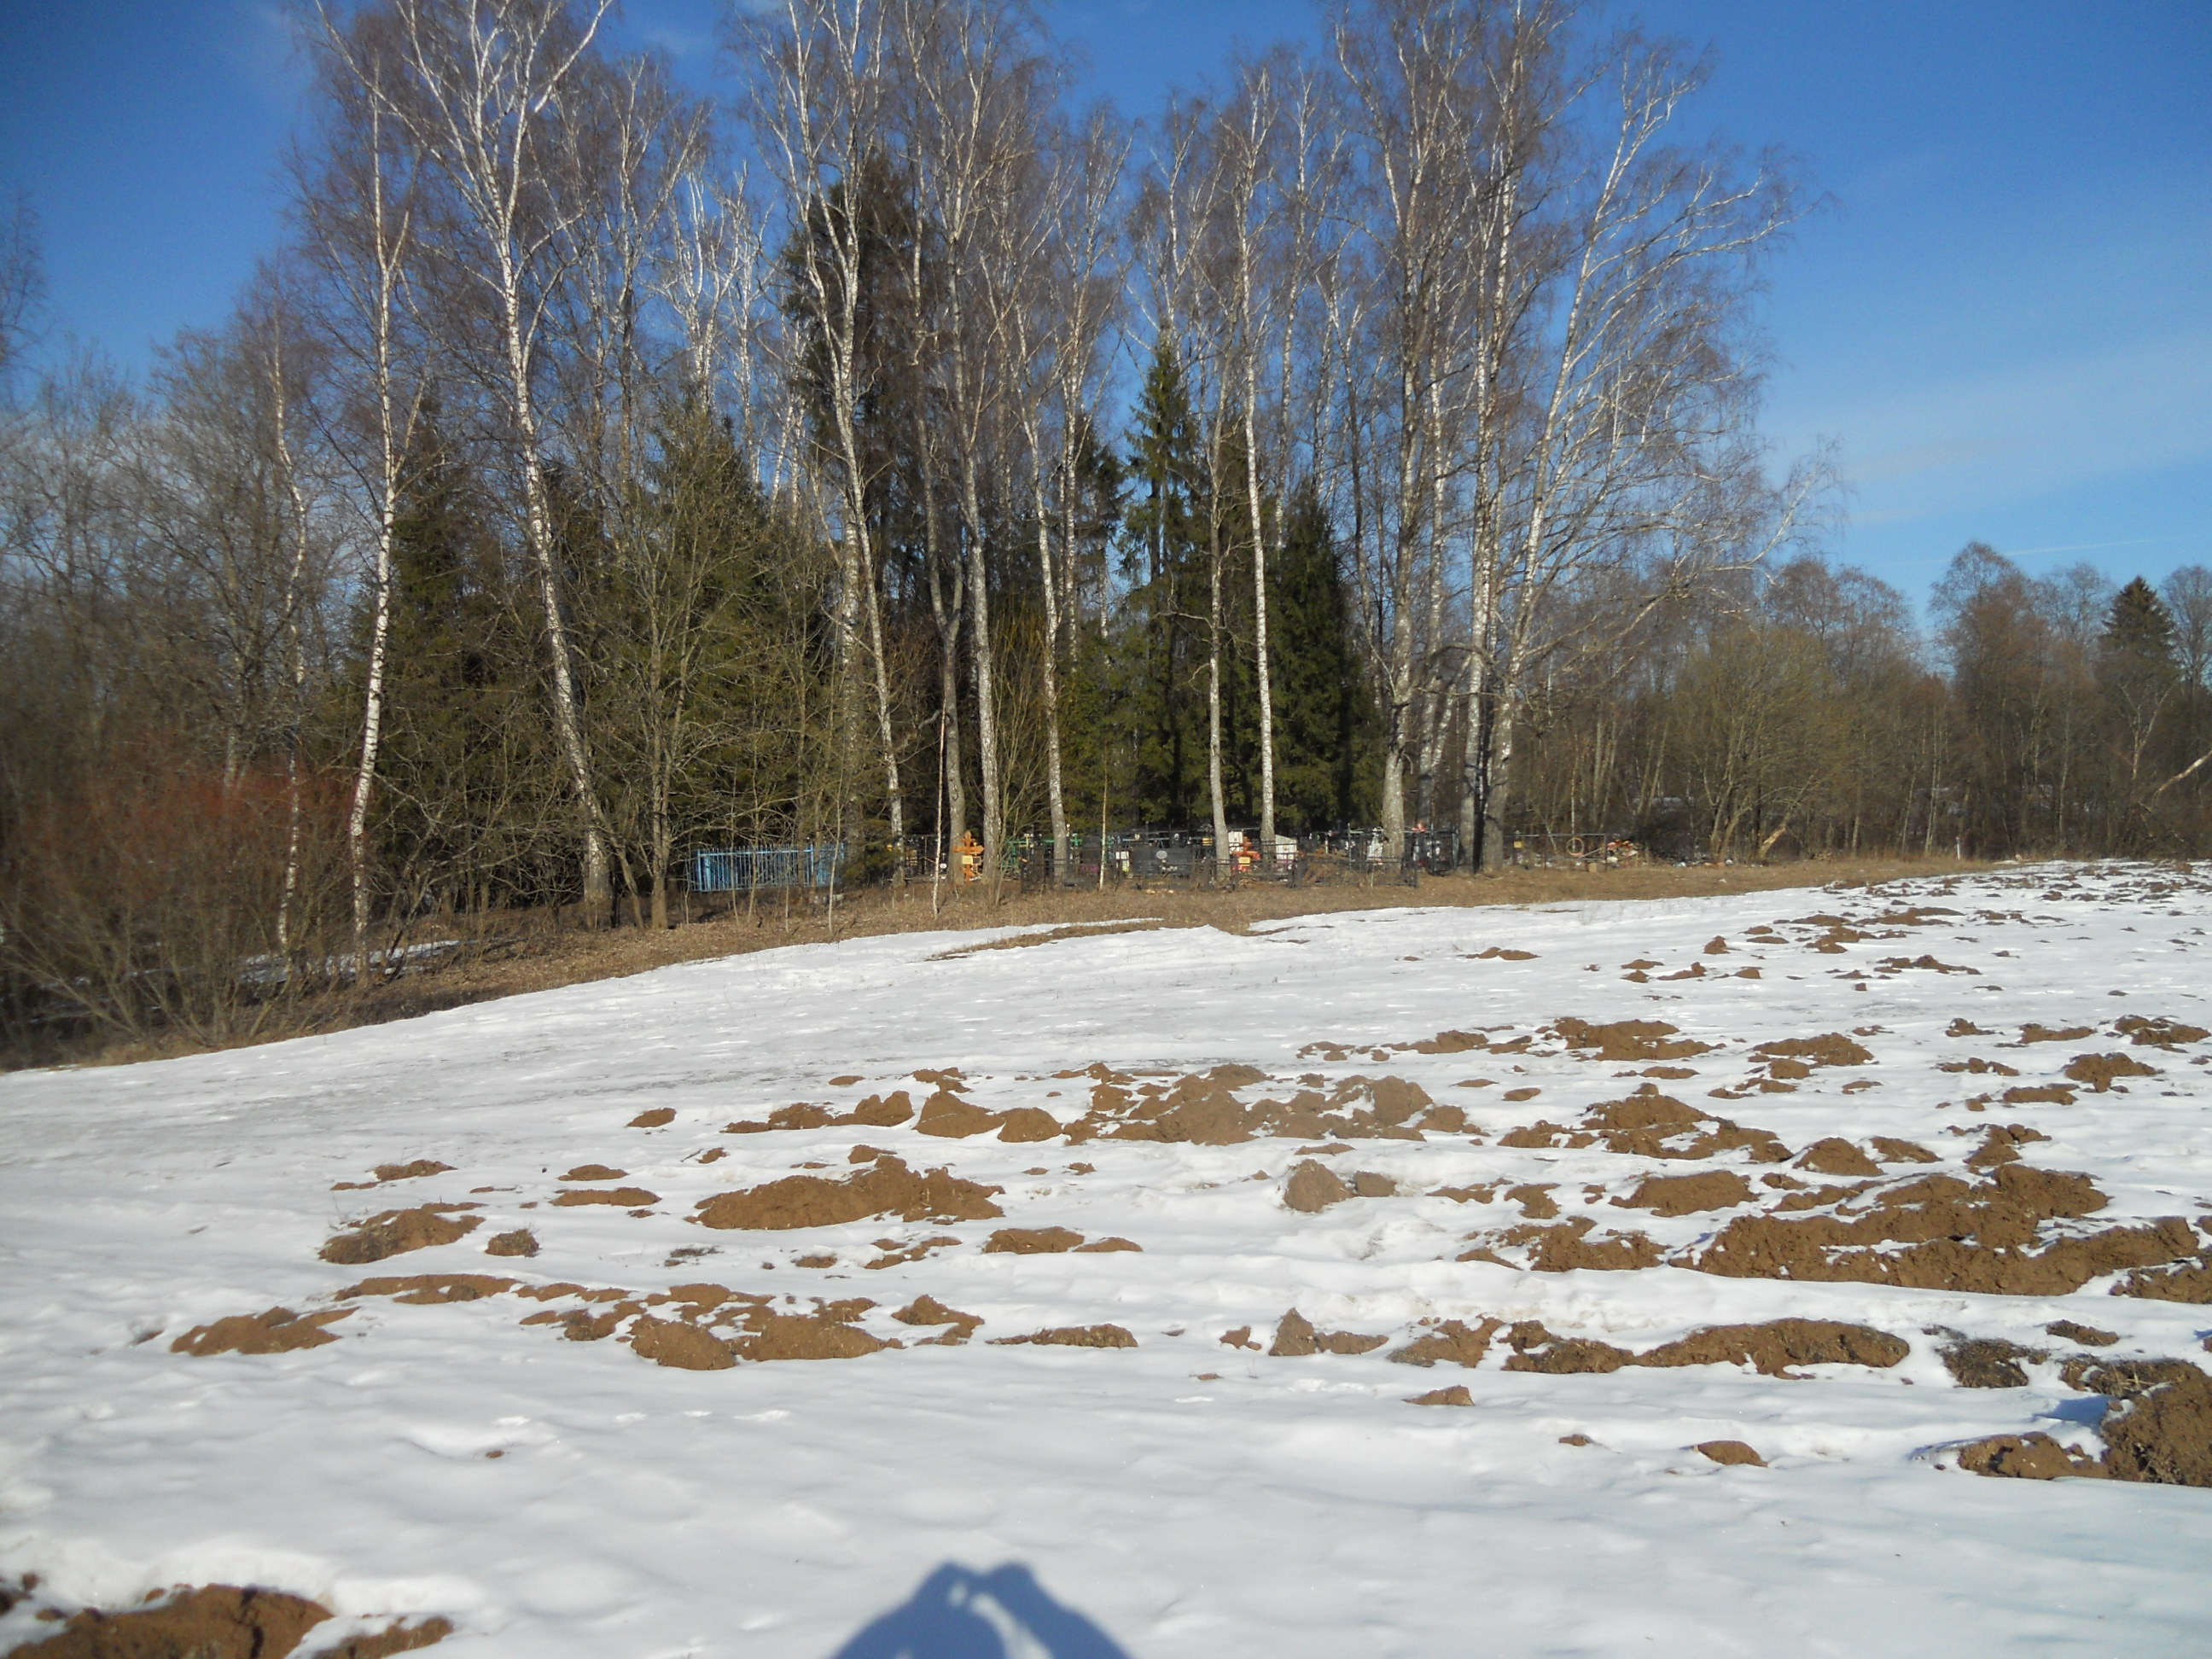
<point x="744" y="869"/>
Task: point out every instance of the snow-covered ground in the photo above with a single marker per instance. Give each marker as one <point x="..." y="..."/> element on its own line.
<point x="556" y="1495"/>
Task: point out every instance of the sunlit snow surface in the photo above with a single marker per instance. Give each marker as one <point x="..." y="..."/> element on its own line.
<point x="1285" y="1506"/>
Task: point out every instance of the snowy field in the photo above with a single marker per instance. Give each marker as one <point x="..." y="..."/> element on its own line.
<point x="1426" y="1131"/>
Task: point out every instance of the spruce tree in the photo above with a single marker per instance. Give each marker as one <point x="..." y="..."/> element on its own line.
<point x="1160" y="640"/>
<point x="1327" y="764"/>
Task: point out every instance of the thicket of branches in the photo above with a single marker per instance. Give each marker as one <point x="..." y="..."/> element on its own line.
<point x="600" y="471"/>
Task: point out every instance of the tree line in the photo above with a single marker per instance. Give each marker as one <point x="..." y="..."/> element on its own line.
<point x="893" y="448"/>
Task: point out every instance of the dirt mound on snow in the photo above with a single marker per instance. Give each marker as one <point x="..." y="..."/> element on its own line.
<point x="1942" y="1233"/>
<point x="1295" y="1338"/>
<point x="1714" y="1190"/>
<point x="1031" y="1240"/>
<point x="1837" y="1157"/>
<point x="1627" y="1040"/>
<point x="1829" y="1048"/>
<point x="221" y="1621"/>
<point x="1072" y="1336"/>
<point x="1650" y="1124"/>
<point x="397" y="1232"/>
<point x="624" y="1198"/>
<point x="2161" y="1426"/>
<point x="1313" y="1188"/>
<point x="2099" y="1071"/>
<point x="886" y="1188"/>
<point x="2158" y="1429"/>
<point x="1729" y="1452"/>
<point x="1565" y="1247"/>
<point x="1449" y="1340"/>
<point x="1202" y="1109"/>
<point x="1773" y="1349"/>
<point x="685" y="1347"/>
<point x="430" y="1288"/>
<point x="277" y="1331"/>
<point x="927" y="1310"/>
<point x="821" y="1335"/>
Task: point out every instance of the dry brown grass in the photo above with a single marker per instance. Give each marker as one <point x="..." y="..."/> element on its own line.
<point x="528" y="953"/>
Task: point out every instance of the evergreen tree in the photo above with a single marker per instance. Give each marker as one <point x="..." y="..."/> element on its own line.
<point x="2139" y="630"/>
<point x="1160" y="642"/>
<point x="1328" y="767"/>
<point x="471" y="808"/>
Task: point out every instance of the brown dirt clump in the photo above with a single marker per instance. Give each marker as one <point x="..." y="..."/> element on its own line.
<point x="1296" y="1338"/>
<point x="521" y="1242"/>
<point x="2158" y="1033"/>
<point x="594" y="1172"/>
<point x="2187" y="1281"/>
<point x="1536" y="1349"/>
<point x="1650" y="1124"/>
<point x="1027" y="1123"/>
<point x="1941" y="1233"/>
<point x="1536" y="1200"/>
<point x="886" y="1188"/>
<point x="2099" y="1071"/>
<point x="1773" y="1348"/>
<point x="1628" y="1039"/>
<point x="1313" y="1188"/>
<point x="2088" y="1335"/>
<point x="658" y="1118"/>
<point x="1987" y="1362"/>
<point x="277" y="1331"/>
<point x="623" y="1198"/>
<point x="2026" y="1457"/>
<point x="1901" y="1152"/>
<point x="1566" y="1246"/>
<point x="2001" y="1144"/>
<point x="1730" y="1452"/>
<point x="2161" y="1430"/>
<point x="946" y="1114"/>
<point x="1835" y="1156"/>
<point x="1108" y="1247"/>
<point x="1072" y="1336"/>
<point x="428" y="1289"/>
<point x="883" y="1111"/>
<point x="397" y="1232"/>
<point x="804" y="1336"/>
<point x="927" y="1310"/>
<point x="1456" y="1395"/>
<point x="2035" y="1033"/>
<point x="219" y="1621"/>
<point x="1831" y="1048"/>
<point x="1450" y="1042"/>
<point x="675" y="1343"/>
<point x="2039" y="1094"/>
<point x="1031" y="1240"/>
<point x="1714" y="1190"/>
<point x="1450" y="1341"/>
<point x="411" y="1171"/>
<point x="1780" y="1343"/>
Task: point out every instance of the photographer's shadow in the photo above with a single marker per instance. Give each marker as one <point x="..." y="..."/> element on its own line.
<point x="956" y="1613"/>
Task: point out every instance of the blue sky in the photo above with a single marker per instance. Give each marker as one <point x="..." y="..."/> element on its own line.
<point x="2001" y="323"/>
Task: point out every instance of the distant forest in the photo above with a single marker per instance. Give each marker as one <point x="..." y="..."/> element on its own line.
<point x="893" y="450"/>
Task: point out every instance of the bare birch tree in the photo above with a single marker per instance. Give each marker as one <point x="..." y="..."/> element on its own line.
<point x="486" y="92"/>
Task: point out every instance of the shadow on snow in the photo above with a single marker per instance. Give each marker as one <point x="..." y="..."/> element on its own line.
<point x="1004" y="1614"/>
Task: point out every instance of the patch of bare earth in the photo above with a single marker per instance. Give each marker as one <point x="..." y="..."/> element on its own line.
<point x="397" y="1232"/>
<point x="887" y="1187"/>
<point x="222" y="1621"/>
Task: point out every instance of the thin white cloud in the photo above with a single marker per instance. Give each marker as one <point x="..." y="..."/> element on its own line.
<point x="2007" y="436"/>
